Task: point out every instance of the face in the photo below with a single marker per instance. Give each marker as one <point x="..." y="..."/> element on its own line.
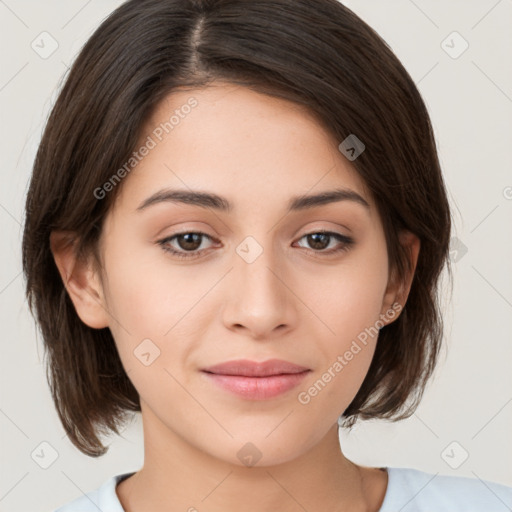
<point x="188" y="286"/>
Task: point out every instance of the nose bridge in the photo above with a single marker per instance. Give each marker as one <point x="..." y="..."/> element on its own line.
<point x="258" y="298"/>
<point x="256" y="267"/>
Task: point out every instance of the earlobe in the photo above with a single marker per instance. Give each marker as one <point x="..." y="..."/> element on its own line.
<point x="399" y="287"/>
<point x="80" y="279"/>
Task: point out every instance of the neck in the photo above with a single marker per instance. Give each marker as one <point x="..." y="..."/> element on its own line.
<point x="178" y="476"/>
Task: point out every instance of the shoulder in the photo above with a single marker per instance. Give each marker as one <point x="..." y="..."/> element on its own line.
<point x="104" y="498"/>
<point x="412" y="490"/>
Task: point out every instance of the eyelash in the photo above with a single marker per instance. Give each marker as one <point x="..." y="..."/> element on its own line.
<point x="347" y="243"/>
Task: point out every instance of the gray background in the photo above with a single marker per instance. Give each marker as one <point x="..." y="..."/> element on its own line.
<point x="467" y="409"/>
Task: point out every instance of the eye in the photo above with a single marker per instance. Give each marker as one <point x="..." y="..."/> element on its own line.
<point x="189" y="243"/>
<point x="321" y="240"/>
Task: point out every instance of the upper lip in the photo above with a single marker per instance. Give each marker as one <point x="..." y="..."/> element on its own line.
<point x="246" y="368"/>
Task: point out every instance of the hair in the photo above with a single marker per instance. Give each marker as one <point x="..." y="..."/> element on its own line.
<point x="316" y="54"/>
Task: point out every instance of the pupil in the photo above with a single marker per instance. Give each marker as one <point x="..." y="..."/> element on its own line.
<point x="190" y="243"/>
<point x="314" y="240"/>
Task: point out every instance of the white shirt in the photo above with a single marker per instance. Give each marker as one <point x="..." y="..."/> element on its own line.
<point x="409" y="490"/>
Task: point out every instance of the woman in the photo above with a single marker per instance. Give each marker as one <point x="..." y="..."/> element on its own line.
<point x="236" y="225"/>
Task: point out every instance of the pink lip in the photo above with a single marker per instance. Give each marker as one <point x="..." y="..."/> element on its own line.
<point x="256" y="381"/>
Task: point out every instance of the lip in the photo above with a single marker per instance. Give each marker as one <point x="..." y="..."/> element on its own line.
<point x="246" y="368"/>
<point x="254" y="380"/>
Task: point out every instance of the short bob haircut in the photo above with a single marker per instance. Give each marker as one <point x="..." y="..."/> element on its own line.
<point x="317" y="54"/>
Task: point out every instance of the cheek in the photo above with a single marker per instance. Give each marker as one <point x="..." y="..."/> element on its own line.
<point x="147" y="294"/>
<point x="349" y="299"/>
<point x="348" y="302"/>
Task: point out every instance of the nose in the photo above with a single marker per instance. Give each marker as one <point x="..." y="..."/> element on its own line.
<point x="259" y="299"/>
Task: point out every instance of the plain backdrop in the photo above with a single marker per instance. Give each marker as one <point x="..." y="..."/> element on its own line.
<point x="459" y="55"/>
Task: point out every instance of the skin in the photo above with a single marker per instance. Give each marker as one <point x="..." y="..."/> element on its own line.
<point x="293" y="303"/>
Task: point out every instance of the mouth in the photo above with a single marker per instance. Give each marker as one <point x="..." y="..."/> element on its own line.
<point x="246" y="368"/>
<point x="253" y="380"/>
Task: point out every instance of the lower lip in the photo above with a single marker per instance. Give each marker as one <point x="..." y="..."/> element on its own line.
<point x="257" y="388"/>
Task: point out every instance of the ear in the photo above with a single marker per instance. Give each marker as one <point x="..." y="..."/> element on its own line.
<point x="399" y="287"/>
<point x="80" y="279"/>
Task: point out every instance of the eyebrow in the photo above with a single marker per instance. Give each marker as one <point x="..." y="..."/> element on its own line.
<point x="211" y="200"/>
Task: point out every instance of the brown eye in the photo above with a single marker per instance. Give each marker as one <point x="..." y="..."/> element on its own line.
<point x="318" y="240"/>
<point x="188" y="242"/>
<point x="321" y="240"/>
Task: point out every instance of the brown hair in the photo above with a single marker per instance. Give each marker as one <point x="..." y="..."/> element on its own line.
<point x="318" y="54"/>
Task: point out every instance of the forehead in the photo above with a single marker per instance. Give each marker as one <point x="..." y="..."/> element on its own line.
<point x="239" y="143"/>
